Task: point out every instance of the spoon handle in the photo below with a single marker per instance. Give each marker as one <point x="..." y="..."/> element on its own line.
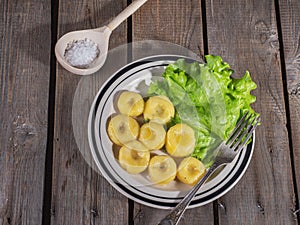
<point x="125" y="14"/>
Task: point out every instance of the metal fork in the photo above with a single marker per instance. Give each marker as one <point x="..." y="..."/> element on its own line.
<point x="225" y="153"/>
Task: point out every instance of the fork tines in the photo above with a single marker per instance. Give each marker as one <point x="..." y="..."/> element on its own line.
<point x="243" y="131"/>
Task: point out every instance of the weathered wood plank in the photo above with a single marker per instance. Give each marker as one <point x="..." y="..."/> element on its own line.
<point x="177" y="22"/>
<point x="245" y="34"/>
<point x="80" y="195"/>
<point x="24" y="85"/>
<point x="290" y="26"/>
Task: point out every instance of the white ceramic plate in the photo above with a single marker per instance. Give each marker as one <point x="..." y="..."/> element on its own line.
<point x="137" y="76"/>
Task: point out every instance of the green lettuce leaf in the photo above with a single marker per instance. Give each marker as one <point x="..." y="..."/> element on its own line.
<point x="206" y="98"/>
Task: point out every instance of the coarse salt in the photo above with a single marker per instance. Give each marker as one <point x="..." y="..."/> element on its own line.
<point x="81" y="53"/>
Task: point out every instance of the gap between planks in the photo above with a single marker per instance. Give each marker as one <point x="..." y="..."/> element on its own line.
<point x="47" y="197"/>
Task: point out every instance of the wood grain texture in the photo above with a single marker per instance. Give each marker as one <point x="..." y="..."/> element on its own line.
<point x="178" y="22"/>
<point x="290" y="25"/>
<point x="245" y="34"/>
<point x="24" y="85"/>
<point x="79" y="194"/>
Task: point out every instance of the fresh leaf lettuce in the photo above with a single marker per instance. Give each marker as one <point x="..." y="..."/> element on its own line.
<point x="207" y="98"/>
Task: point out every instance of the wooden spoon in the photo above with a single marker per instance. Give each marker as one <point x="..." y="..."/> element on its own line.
<point x="100" y="36"/>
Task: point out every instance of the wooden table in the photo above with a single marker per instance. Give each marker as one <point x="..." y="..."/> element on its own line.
<point x="45" y="180"/>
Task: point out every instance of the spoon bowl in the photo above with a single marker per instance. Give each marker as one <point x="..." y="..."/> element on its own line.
<point x="99" y="36"/>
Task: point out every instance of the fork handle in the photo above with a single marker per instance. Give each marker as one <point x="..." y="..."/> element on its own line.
<point x="174" y="216"/>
